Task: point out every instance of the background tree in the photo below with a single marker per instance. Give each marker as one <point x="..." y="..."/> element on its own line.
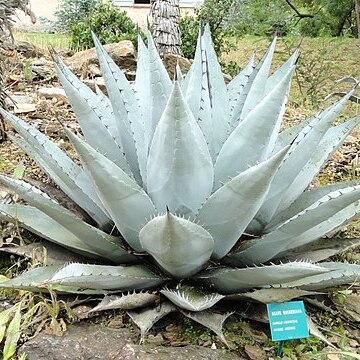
<point x="165" y="15"/>
<point x="357" y="12"/>
<point x="297" y="17"/>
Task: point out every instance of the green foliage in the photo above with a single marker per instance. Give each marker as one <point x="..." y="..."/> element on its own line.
<point x="260" y="17"/>
<point x="214" y="12"/>
<point x="307" y="18"/>
<point x="73" y="11"/>
<point x="109" y="24"/>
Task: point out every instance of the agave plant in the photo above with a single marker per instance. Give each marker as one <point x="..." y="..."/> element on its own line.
<point x="191" y="188"/>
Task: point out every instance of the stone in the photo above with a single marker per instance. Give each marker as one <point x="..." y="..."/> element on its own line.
<point x="255" y="352"/>
<point x="87" y="341"/>
<point x="25" y="48"/>
<point x="99" y="81"/>
<point x="170" y="61"/>
<point x="50" y="93"/>
<point x="123" y="53"/>
<point x="24" y="108"/>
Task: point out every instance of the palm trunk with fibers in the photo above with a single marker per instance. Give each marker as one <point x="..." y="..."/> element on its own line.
<point x="166" y="32"/>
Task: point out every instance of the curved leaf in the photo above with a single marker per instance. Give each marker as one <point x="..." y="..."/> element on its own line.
<point x="180" y="170"/>
<point x="339" y="274"/>
<point x="306" y="226"/>
<point x="120" y="278"/>
<point x="179" y="246"/>
<point x="236" y="85"/>
<point x="41" y="224"/>
<point x="306" y="199"/>
<point x="304" y="146"/>
<point x="97" y="124"/>
<point x="101" y="243"/>
<point x="254" y="88"/>
<point x="229" y="280"/>
<point x="126" y="111"/>
<point x="126" y="202"/>
<point x="259" y="127"/>
<point x="68" y="175"/>
<point x="229" y="210"/>
<point x="331" y="141"/>
<point x="192" y="299"/>
<point x="160" y="87"/>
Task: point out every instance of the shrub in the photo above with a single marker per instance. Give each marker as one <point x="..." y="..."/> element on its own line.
<point x="71" y="12"/>
<point x="109" y="24"/>
<point x="214" y="12"/>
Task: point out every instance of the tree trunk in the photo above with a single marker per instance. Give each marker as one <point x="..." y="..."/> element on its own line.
<point x="357" y="12"/>
<point x="166" y="31"/>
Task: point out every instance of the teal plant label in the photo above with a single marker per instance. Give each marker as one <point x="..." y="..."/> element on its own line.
<point x="288" y="320"/>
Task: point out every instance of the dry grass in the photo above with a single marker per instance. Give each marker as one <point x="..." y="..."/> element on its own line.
<point x="44" y="40"/>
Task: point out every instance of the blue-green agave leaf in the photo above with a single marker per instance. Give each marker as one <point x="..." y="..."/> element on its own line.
<point x="331" y="141"/>
<point x="301" y="150"/>
<point x="219" y="99"/>
<point x="126" y="202"/>
<point x="126" y="111"/>
<point x="281" y="72"/>
<point x="259" y="127"/>
<point x="160" y="87"/>
<point x="67" y="175"/>
<point x="287" y="136"/>
<point x="97" y="124"/>
<point x="180" y="170"/>
<point x="179" y="74"/>
<point x="230" y="280"/>
<point x="339" y="274"/>
<point x="254" y="89"/>
<point x="101" y="243"/>
<point x="211" y="320"/>
<point x="119" y="278"/>
<point x="146" y="318"/>
<point x="303" y="228"/>
<point x="179" y="246"/>
<point x="127" y="301"/>
<point x="191" y="299"/>
<point x="306" y="199"/>
<point x="32" y="280"/>
<point x="236" y="85"/>
<point x="230" y="209"/>
<point x="320" y="249"/>
<point x="41" y="224"/>
<point x="142" y="92"/>
<point x="198" y="96"/>
<point x="105" y="101"/>
<point x="271" y="295"/>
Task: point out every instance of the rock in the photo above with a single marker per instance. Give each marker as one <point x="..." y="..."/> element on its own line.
<point x="25" y="48"/>
<point x="50" y="93"/>
<point x="123" y="53"/>
<point x="86" y="341"/>
<point x="99" y="81"/>
<point x="24" y="108"/>
<point x="43" y="72"/>
<point x="255" y="352"/>
<point x="170" y="61"/>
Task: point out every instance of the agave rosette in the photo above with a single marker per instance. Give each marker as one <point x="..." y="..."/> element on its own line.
<point x="197" y="178"/>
